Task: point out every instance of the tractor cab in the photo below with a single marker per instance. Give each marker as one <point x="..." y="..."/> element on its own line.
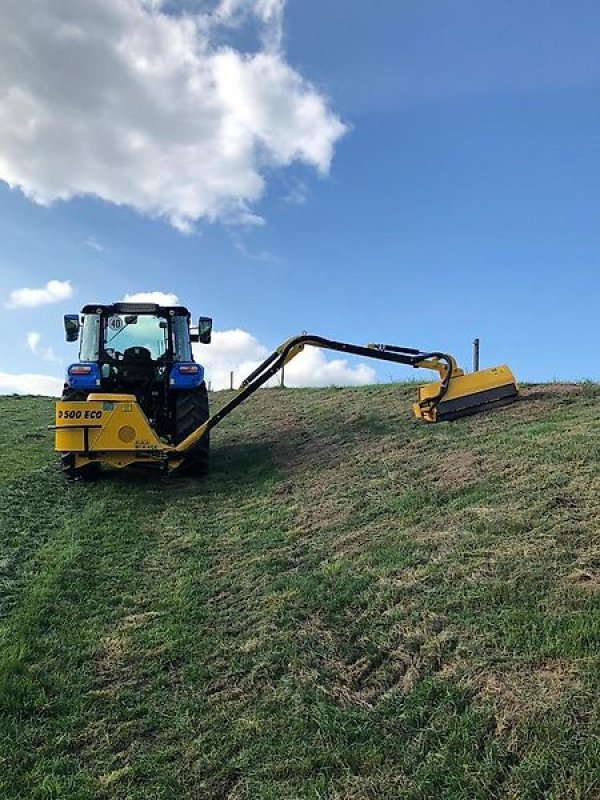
<point x="133" y="344"/>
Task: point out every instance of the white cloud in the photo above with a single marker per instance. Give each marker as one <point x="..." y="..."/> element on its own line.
<point x="161" y="298"/>
<point x="30" y="384"/>
<point x="297" y="193"/>
<point x="95" y="244"/>
<point x="52" y="292"/>
<point x="270" y="12"/>
<point x="313" y="368"/>
<point x="34" y="343"/>
<point x="230" y="351"/>
<point x="248" y="252"/>
<point x="239" y="352"/>
<point x="120" y="100"/>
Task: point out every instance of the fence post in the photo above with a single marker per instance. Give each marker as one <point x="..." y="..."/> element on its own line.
<point x="282" y="383"/>
<point x="476" y="355"/>
<point x="231" y="379"/>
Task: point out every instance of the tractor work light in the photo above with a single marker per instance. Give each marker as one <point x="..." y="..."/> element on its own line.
<point x="136" y="308"/>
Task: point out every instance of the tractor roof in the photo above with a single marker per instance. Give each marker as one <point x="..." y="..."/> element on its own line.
<point x="134" y="308"/>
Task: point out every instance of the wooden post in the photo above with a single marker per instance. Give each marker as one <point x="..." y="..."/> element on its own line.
<point x="476" y="355"/>
<point x="231" y="379"/>
<point x="282" y="383"/>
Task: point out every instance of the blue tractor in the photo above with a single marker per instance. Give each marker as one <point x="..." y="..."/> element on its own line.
<point x="145" y="350"/>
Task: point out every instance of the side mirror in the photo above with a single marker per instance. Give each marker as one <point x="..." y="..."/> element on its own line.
<point x="72" y="326"/>
<point x="204" y="330"/>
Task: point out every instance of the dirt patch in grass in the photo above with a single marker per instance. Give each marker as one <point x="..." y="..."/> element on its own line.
<point x="537" y="402"/>
<point x="111" y="654"/>
<point x="372" y="679"/>
<point x="457" y="469"/>
<point x="585" y="578"/>
<point x="139" y="620"/>
<point x="116" y="652"/>
<point x="546" y="390"/>
<point x="408" y="652"/>
<point x="518" y="695"/>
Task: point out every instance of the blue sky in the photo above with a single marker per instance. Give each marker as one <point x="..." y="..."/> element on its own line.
<point x="462" y="200"/>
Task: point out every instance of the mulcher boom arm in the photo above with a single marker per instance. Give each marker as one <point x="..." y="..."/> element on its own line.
<point x="442" y="363"/>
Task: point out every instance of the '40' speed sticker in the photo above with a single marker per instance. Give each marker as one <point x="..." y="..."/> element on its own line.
<point x="115" y="323"/>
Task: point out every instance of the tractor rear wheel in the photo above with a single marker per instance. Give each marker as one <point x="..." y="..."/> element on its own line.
<point x="191" y="410"/>
<point x="67" y="460"/>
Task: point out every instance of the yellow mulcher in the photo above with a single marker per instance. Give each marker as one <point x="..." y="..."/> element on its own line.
<point x="136" y="396"/>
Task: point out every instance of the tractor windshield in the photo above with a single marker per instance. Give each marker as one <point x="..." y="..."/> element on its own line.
<point x="123" y="331"/>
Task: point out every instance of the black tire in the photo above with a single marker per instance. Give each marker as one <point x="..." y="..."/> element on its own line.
<point x="191" y="410"/>
<point x="67" y="460"/>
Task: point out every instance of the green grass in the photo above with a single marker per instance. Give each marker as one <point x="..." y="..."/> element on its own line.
<point x="351" y="606"/>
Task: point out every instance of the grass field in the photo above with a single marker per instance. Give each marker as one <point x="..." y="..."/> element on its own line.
<point x="351" y="606"/>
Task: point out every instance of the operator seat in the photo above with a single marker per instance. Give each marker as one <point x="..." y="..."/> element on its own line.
<point x="137" y="364"/>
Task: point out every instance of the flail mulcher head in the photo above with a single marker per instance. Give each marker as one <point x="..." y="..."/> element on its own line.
<point x="457" y="394"/>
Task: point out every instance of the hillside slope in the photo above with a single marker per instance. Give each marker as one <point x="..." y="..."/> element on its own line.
<point x="352" y="605"/>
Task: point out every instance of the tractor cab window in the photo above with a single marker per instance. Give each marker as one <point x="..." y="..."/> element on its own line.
<point x="90" y="338"/>
<point x="125" y="331"/>
<point x="182" y="349"/>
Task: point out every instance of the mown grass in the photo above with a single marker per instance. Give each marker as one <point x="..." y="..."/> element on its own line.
<point x="351" y="605"/>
